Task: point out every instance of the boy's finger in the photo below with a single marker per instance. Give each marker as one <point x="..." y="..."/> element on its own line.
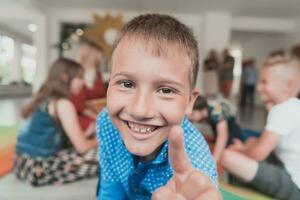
<point x="178" y="158"/>
<point x="195" y="184"/>
<point x="162" y="193"/>
<point x="211" y="194"/>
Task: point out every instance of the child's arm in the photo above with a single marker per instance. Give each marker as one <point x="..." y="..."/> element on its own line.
<point x="260" y="149"/>
<point x="90" y="131"/>
<point x="187" y="182"/>
<point x="89" y="113"/>
<point x="222" y="138"/>
<point x="68" y="117"/>
<point x="264" y="146"/>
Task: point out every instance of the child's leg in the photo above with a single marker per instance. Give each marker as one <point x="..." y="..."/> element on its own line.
<point x="69" y="166"/>
<point x="22" y="166"/>
<point x="66" y="166"/>
<point x="266" y="178"/>
<point x="275" y="181"/>
<point x="239" y="165"/>
<point x="31" y="169"/>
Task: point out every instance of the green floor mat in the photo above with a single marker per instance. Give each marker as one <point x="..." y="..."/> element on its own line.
<point x="229" y="195"/>
<point x="8" y="135"/>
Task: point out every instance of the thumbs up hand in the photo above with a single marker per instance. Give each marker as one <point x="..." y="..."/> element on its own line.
<point x="187" y="183"/>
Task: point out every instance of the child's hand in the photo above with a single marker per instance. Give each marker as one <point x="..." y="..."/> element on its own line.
<point x="237" y="145"/>
<point x="187" y="182"/>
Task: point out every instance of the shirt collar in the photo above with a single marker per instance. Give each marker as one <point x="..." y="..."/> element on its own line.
<point x="163" y="154"/>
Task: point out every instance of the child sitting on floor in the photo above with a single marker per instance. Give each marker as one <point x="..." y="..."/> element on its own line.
<point x="219" y="114"/>
<point x="144" y="153"/>
<point x="278" y="87"/>
<point x="42" y="153"/>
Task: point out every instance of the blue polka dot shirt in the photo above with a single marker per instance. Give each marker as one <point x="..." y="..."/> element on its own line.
<point x="121" y="177"/>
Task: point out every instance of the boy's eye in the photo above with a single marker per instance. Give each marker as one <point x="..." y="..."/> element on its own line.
<point x="126" y="84"/>
<point x="165" y="91"/>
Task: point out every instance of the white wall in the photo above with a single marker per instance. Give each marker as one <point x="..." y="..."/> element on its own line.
<point x="75" y="15"/>
<point x="259" y="36"/>
<point x="294" y="38"/>
<point x="258" y="46"/>
<point x="264" y="25"/>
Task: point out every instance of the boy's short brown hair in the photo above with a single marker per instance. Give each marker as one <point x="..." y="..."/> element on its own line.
<point x="280" y="60"/>
<point x="161" y="30"/>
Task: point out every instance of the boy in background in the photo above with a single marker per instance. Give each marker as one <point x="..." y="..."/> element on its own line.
<point x="219" y="115"/>
<point x="278" y="87"/>
<point x="144" y="153"/>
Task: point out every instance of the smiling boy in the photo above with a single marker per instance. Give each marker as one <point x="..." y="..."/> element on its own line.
<point x="278" y="86"/>
<point x="154" y="67"/>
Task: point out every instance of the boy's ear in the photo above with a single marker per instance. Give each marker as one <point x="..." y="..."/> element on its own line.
<point x="192" y="99"/>
<point x="291" y="85"/>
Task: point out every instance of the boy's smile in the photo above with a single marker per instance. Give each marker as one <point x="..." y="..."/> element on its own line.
<point x="148" y="93"/>
<point x="270" y="87"/>
<point x="141" y="130"/>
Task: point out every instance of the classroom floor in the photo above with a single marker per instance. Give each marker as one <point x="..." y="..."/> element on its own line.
<point x="12" y="189"/>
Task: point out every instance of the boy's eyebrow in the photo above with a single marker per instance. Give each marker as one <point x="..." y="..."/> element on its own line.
<point x="169" y="81"/>
<point x="121" y="74"/>
<point x="161" y="80"/>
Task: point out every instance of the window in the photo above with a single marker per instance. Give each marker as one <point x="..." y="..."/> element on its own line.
<point x="28" y="63"/>
<point x="6" y="58"/>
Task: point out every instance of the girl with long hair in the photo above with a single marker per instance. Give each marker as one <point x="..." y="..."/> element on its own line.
<point x="51" y="146"/>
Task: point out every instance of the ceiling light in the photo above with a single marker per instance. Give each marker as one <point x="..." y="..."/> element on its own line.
<point x="32" y="27"/>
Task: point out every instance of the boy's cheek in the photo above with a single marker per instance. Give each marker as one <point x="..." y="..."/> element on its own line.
<point x="173" y="113"/>
<point x="114" y="103"/>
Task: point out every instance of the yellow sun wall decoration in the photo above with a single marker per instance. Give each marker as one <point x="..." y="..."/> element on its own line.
<point x="103" y="25"/>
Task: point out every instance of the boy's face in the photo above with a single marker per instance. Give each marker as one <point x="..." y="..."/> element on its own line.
<point x="270" y="87"/>
<point x="147" y="95"/>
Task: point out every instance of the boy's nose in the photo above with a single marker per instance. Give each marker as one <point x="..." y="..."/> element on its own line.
<point x="141" y="107"/>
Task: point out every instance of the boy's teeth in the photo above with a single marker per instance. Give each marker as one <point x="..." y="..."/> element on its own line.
<point x="141" y="128"/>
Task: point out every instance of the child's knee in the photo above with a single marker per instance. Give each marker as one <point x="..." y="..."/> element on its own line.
<point x="226" y="157"/>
